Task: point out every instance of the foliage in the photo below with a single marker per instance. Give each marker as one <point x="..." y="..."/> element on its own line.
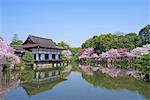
<point x="34" y="67"/>
<point x="114" y="54"/>
<point x="27" y="60"/>
<point x="118" y="83"/>
<point x="106" y="42"/>
<point x="74" y="51"/>
<point x="80" y="51"/>
<point x="64" y="45"/>
<point x="86" y="53"/>
<point x="143" y="63"/>
<point x="67" y="53"/>
<point x="26" y="76"/>
<point x="141" y="50"/>
<point x="145" y="35"/>
<point x="63" y="57"/>
<point x="15" y="40"/>
<point x="7" y="55"/>
<point x="74" y="59"/>
<point x="20" y="66"/>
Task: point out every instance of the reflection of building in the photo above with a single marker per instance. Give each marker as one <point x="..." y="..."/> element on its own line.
<point x="43" y="80"/>
<point x="39" y="87"/>
<point x="47" y="75"/>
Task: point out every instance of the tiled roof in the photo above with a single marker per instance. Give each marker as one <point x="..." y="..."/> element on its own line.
<point x="42" y="42"/>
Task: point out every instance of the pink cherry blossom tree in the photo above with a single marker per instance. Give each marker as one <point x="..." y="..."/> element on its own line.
<point x="7" y="55"/>
<point x="94" y="56"/>
<point x="67" y="53"/>
<point x="86" y="53"/>
<point x="111" y="54"/>
<point x="141" y="50"/>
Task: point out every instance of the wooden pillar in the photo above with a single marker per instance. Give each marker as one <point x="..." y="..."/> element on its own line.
<point x="37" y="56"/>
<point x="50" y="56"/>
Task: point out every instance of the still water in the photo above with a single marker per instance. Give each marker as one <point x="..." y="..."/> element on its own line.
<point x="74" y="85"/>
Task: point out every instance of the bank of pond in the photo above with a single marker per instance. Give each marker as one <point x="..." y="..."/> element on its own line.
<point x="68" y="83"/>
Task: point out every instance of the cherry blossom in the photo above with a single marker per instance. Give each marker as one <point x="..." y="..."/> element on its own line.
<point x="94" y="56"/>
<point x="115" y="53"/>
<point x="141" y="50"/>
<point x="86" y="53"/>
<point x="7" y="54"/>
<point x="67" y="53"/>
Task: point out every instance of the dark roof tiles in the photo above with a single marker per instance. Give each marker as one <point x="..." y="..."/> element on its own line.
<point x="42" y="42"/>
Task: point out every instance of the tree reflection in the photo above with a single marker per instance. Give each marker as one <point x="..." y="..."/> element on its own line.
<point x="8" y="81"/>
<point x="102" y="80"/>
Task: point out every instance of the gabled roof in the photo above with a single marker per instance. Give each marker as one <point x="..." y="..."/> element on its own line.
<point x="39" y="41"/>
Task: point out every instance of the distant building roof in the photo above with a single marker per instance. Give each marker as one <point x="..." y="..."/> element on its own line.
<point x="17" y="48"/>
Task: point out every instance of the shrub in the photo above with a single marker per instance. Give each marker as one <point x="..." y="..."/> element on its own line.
<point x="143" y="63"/>
<point x="27" y="60"/>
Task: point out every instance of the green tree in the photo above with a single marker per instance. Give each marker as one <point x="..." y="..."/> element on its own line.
<point x="134" y="39"/>
<point x="27" y="60"/>
<point x="106" y="42"/>
<point x="64" y="45"/>
<point x="63" y="57"/>
<point x="143" y="63"/>
<point x="15" y="40"/>
<point x="129" y="41"/>
<point x="144" y="34"/>
<point x="74" y="51"/>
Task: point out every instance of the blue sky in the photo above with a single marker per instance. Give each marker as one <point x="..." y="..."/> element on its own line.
<point x="72" y="21"/>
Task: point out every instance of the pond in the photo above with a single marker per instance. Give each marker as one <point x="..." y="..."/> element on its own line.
<point x="74" y="85"/>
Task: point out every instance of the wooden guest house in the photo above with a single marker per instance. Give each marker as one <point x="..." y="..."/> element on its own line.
<point x="44" y="51"/>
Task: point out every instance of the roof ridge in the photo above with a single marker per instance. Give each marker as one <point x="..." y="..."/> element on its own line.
<point x="39" y="37"/>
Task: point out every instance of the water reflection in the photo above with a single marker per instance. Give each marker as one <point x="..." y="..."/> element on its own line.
<point x="8" y="81"/>
<point x="43" y="80"/>
<point x="46" y="75"/>
<point x="131" y="84"/>
<point x="34" y="88"/>
<point x="79" y="84"/>
<point x="98" y="79"/>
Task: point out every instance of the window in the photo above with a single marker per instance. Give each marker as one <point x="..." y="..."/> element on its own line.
<point x="39" y="56"/>
<point x="59" y="56"/>
<point x="40" y="50"/>
<point x="34" y="56"/>
<point x="53" y="56"/>
<point x="46" y="56"/>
